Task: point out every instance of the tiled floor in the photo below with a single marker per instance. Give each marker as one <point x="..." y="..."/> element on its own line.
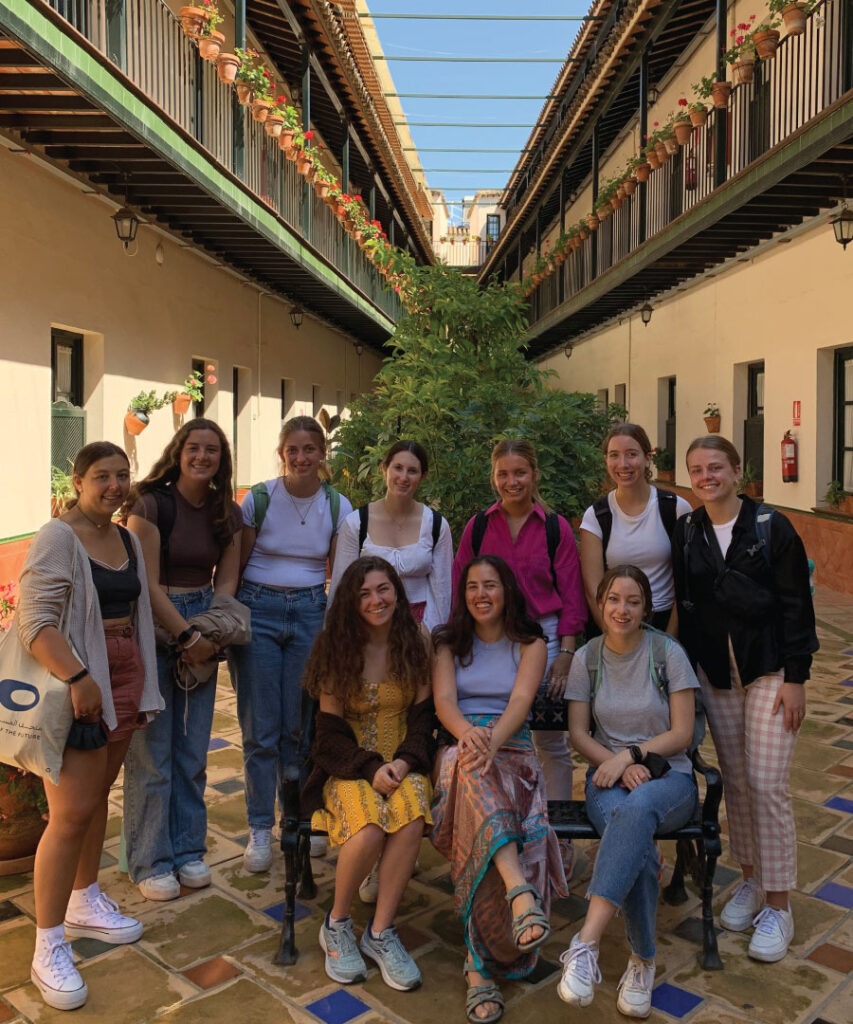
<point x="208" y="956"/>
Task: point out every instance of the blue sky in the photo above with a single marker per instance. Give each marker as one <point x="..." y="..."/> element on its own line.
<point x="463" y="169"/>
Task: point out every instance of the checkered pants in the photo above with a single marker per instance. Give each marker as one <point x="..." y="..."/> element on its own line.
<point x="755" y="753"/>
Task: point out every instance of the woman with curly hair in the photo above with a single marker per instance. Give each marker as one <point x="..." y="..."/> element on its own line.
<point x="490" y="809"/>
<point x="189" y="526"/>
<point x="372" y="753"/>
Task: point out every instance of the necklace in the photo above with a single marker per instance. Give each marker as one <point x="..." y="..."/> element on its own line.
<point x="301" y="511"/>
<point x="399" y="523"/>
<point x="97" y="525"/>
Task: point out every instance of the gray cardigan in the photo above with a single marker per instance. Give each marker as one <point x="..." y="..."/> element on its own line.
<point x="55" y="559"/>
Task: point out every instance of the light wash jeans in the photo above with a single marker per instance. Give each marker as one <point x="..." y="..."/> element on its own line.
<point x="275" y="713"/>
<point x="165" y="772"/>
<point x="552" y="746"/>
<point x="627" y="865"/>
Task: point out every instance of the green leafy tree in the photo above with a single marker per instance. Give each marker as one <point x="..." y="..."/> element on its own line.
<point x="457" y="381"/>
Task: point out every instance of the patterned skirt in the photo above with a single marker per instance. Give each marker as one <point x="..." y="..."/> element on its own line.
<point x="474" y="815"/>
<point x="350" y="804"/>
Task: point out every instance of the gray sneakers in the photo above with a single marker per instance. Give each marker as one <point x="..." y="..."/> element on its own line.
<point x="398" y="969"/>
<point x="344" y="963"/>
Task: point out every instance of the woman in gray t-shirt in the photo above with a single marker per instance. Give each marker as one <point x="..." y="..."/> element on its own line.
<point x="632" y="719"/>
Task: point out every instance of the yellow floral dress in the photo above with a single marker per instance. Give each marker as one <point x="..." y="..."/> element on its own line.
<point x="378" y="719"/>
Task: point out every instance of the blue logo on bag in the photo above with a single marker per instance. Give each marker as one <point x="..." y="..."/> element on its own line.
<point x="8" y="689"/>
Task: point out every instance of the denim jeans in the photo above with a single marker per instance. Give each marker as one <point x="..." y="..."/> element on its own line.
<point x="628" y="864"/>
<point x="165" y="771"/>
<point x="275" y="713"/>
<point x="552" y="746"/>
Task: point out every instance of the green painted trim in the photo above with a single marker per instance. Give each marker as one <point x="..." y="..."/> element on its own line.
<point x="832" y="126"/>
<point x="24" y="21"/>
<point x="21" y="536"/>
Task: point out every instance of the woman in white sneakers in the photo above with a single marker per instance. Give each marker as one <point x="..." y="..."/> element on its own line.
<point x="746" y="618"/>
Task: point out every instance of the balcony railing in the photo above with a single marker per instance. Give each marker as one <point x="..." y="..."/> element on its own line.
<point x="145" y="41"/>
<point x="463" y="251"/>
<point x="805" y="77"/>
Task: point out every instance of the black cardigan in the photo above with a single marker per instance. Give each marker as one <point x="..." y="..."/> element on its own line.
<point x="766" y="609"/>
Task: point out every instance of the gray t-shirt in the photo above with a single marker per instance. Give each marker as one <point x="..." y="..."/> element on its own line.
<point x="485" y="686"/>
<point x="629" y="707"/>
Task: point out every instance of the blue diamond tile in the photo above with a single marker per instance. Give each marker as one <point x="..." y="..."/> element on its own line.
<point x="229" y="786"/>
<point x="677" y="1002"/>
<point x="338" y="1007"/>
<point x="840" y="895"/>
<point x="847" y="652"/>
<point x="218" y="743"/>
<point x="839" y="803"/>
<point x="276" y="911"/>
<point x="847" y="682"/>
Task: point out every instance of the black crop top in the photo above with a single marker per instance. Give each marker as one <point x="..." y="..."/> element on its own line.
<point x="117" y="588"/>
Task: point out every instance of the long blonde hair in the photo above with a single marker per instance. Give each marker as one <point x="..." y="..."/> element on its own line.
<point x="518" y="446"/>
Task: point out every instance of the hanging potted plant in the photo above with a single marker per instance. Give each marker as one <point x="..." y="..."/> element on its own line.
<point x="210" y="41"/>
<point x="682" y="125"/>
<point x="227" y="65"/>
<point x="193" y="20"/>
<point x="139" y="411"/>
<point x="664" y="461"/>
<point x="304" y="160"/>
<point x="698" y="110"/>
<point x="248" y="74"/>
<point x="766" y="38"/>
<point x="192" y="390"/>
<point x="23" y="812"/>
<point x="741" y="54"/>
<point x="712" y="418"/>
<point x="274" y="123"/>
<point x="793" y="14"/>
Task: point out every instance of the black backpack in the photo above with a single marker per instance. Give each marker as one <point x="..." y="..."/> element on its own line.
<point x="667" y="507"/>
<point x="364" y="512"/>
<point x="552" y="537"/>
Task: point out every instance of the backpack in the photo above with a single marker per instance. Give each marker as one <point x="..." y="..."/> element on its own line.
<point x="552" y="537"/>
<point x="364" y="512"/>
<point x="262" y="503"/>
<point x="763" y="519"/>
<point x="667" y="507"/>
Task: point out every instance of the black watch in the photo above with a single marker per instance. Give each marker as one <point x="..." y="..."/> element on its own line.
<point x="636" y="754"/>
<point x="184" y="636"/>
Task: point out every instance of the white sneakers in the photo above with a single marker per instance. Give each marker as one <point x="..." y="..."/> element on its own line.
<point x="53" y="973"/>
<point x="774" y="930"/>
<point x="195" y="874"/>
<point x="99" y="918"/>
<point x="635" y="988"/>
<point x="742" y="906"/>
<point x="160" y="887"/>
<point x="258" y="855"/>
<point x="580" y="973"/>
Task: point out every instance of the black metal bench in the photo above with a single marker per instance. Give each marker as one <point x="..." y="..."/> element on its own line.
<point x="698" y="847"/>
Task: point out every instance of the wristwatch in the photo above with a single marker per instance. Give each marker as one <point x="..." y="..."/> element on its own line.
<point x="636" y="754"/>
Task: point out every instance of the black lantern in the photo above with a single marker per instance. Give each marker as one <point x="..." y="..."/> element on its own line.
<point x="297" y="315"/>
<point x="567" y="351"/>
<point x="126" y="224"/>
<point x="842" y="225"/>
<point x="646" y="314"/>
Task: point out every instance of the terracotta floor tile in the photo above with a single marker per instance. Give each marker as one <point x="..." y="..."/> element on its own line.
<point x="212" y="973"/>
<point x="833" y="956"/>
<point x="6" y="1012"/>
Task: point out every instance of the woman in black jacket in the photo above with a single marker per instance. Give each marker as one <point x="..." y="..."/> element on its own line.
<point x="745" y="616"/>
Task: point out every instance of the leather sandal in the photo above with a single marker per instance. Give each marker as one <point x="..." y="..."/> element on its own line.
<point x="477" y="995"/>
<point x="533" y="917"/>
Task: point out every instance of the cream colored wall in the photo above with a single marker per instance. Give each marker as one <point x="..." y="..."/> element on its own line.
<point x="62" y="266"/>
<point x="788" y="307"/>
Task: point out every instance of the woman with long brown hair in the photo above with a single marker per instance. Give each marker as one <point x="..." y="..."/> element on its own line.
<point x="189" y="526"/>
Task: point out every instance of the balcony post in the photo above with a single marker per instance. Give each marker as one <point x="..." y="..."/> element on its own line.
<point x="642" y="192"/>
<point x="561" y="278"/>
<point x="238" y="122"/>
<point x="116" y="31"/>
<point x="307" y="226"/>
<point x="345" y="156"/>
<point x="721" y="120"/>
<point x="846" y="46"/>
<point x="594" y="240"/>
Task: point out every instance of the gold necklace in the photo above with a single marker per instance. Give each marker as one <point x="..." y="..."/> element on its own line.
<point x="301" y="512"/>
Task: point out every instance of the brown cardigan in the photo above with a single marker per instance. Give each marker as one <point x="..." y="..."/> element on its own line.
<point x="335" y="752"/>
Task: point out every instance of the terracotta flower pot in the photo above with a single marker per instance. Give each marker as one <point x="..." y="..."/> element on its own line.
<point x="592" y="222"/>
<point x="616" y="203"/>
<point x="652" y="159"/>
<point x="712" y="424"/>
<point x="683" y="132"/>
<point x="662" y="152"/>
<point x="642" y="171"/>
<point x="135" y="422"/>
<point x="22" y="824"/>
<point x="181" y="404"/>
<point x="630" y="186"/>
<point x="744" y="71"/>
<point x="698" y="117"/>
<point x="273" y="125"/>
<point x="210" y="45"/>
<point x="260" y="110"/>
<point x="244" y="93"/>
<point x="720" y="92"/>
<point x="766" y="43"/>
<point x="671" y="145"/>
<point x="666" y="476"/>
<point x="303" y="162"/>
<point x="754" y="489"/>
<point x="583" y="235"/>
<point x="794" y="19"/>
<point x="285" y="139"/>
<point x="292" y="153"/>
<point x="226" y="67"/>
<point x="321" y="188"/>
<point x="620" y="192"/>
<point x="193" y="20"/>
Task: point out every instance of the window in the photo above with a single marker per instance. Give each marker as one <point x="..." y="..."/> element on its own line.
<point x="620" y="395"/>
<point x="843" y="432"/>
<point x="753" y="425"/>
<point x="66" y="364"/>
<point x="669" y="420"/>
<point x="493" y="226"/>
<point x="286" y="398"/>
<point x="602" y="398"/>
<point x="198" y="407"/>
<point x="316" y="402"/>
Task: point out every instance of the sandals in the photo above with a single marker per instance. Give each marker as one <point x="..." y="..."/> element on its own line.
<point x="478" y="995"/>
<point x="533" y="917"/>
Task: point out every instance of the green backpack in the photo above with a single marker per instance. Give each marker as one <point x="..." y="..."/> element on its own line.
<point x="262" y="504"/>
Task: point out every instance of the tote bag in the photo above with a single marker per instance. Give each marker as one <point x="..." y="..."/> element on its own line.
<point x="35" y="707"/>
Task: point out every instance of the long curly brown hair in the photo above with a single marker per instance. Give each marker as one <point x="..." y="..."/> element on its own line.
<point x="336" y="663"/>
<point x="167" y="469"/>
<point x="458" y="633"/>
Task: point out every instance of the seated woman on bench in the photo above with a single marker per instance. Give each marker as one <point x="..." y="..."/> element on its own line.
<point x="490" y="810"/>
<point x="640" y="709"/>
<point x="372" y="755"/>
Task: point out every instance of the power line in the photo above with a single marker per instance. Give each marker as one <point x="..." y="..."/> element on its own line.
<point x="480" y="17"/>
<point x="477" y="60"/>
<point x="455" y="149"/>
<point x="464" y="170"/>
<point x="461" y="96"/>
<point x="465" y="124"/>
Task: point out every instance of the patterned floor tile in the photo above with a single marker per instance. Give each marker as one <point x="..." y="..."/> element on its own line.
<point x="338" y="1007"/>
<point x="833" y="956"/>
<point x="211" y="973"/>
<point x="840" y="895"/>
<point x="675" y="1001"/>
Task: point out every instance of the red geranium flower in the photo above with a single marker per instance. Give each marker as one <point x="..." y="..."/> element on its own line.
<point x="309" y="135"/>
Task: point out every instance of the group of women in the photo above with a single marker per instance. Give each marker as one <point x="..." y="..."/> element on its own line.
<point x="408" y="630"/>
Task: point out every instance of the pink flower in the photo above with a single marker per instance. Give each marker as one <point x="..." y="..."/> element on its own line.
<point x="210" y="368"/>
<point x="211" y="379"/>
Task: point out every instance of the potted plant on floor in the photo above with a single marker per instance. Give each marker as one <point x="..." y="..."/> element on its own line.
<point x="139" y="411"/>
<point x="712" y="418"/>
<point x="23" y="813"/>
<point x="838" y="499"/>
<point x="750" y="483"/>
<point x="664" y="461"/>
<point x="61" y="490"/>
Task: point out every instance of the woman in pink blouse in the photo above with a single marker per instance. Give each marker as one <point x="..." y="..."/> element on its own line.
<point x="517" y="528"/>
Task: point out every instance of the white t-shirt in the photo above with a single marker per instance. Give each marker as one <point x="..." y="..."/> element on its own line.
<point x="642" y="541"/>
<point x="723" y="533"/>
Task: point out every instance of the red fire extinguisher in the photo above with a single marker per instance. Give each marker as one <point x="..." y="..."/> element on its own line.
<point x="790" y="464"/>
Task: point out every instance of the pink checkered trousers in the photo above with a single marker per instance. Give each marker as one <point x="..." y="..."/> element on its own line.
<point x="755" y="753"/>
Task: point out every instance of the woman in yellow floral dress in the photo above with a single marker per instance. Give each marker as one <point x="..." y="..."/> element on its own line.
<point x="372" y="753"/>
